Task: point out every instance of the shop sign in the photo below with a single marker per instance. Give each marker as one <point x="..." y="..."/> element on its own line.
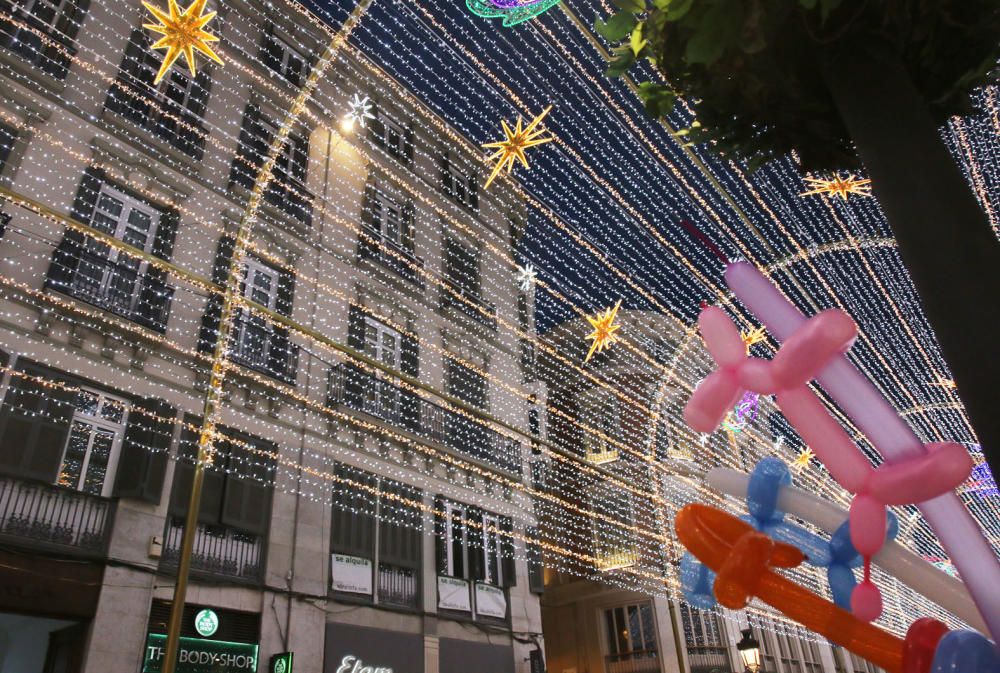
<point x="281" y="663"/>
<point x="353" y="664"/>
<point x="198" y="655"/>
<point x="453" y="594"/>
<point x="351" y="574"/>
<point x="206" y="623"/>
<point x="490" y="601"/>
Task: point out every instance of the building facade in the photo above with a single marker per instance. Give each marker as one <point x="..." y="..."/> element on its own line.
<point x="366" y="508"/>
<point x="617" y="615"/>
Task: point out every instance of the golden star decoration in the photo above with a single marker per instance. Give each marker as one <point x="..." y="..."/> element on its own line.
<point x="182" y="34"/>
<point x="752" y="337"/>
<point x="838" y="187"/>
<point x="802" y="460"/>
<point x="945" y="382"/>
<point x="512" y="148"/>
<point x="604" y="330"/>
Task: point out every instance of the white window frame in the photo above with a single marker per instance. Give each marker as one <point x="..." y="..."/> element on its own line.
<point x="287" y="53"/>
<point x="624" y="542"/>
<point x="459" y="186"/>
<point x="608" y="646"/>
<point x="386" y="204"/>
<point x="380" y="329"/>
<point x="396" y="149"/>
<point x="97" y="424"/>
<point x="451" y="511"/>
<point x="491" y="546"/>
<point x="256" y="267"/>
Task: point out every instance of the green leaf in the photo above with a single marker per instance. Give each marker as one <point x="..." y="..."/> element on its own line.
<point x="718" y="30"/>
<point x="622" y="62"/>
<point x="662" y="5"/>
<point x="617" y="27"/>
<point x="677" y="9"/>
<point x="634" y="6"/>
<point x="636" y="41"/>
<point x="808" y="4"/>
<point x="826" y="8"/>
<point x="656" y="98"/>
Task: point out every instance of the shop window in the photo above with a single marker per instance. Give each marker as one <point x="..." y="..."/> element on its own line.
<point x="282" y="58"/>
<point x="392" y="136"/>
<point x="256" y="342"/>
<point x="458" y="183"/>
<point x="614" y="541"/>
<point x="286" y="191"/>
<point x="107" y="277"/>
<point x="630" y="639"/>
<point x="171" y="110"/>
<point x="376" y="539"/>
<point x="58" y="21"/>
<point x="703" y="637"/>
<point x="57" y="430"/>
<point x="600" y="408"/>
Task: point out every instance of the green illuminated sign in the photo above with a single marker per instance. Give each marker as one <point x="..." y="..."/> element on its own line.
<point x="281" y="663"/>
<point x="198" y="655"/>
<point x="206" y="622"/>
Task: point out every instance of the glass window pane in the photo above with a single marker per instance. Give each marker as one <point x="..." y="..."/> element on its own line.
<point x="621" y="630"/>
<point x="76" y="453"/>
<point x="97" y="465"/>
<point x="609" y="624"/>
<point x="648" y="629"/>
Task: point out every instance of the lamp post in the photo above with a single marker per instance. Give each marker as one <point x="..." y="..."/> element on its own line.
<point x="749" y="651"/>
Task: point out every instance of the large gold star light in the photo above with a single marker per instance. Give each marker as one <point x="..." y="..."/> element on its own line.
<point x="512" y="148"/>
<point x="182" y="34"/>
<point x="802" y="460"/>
<point x="752" y="337"/>
<point x="838" y="187"/>
<point x="604" y="330"/>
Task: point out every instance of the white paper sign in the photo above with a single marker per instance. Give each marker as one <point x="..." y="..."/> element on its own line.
<point x="490" y="601"/>
<point x="351" y="574"/>
<point x="453" y="594"/>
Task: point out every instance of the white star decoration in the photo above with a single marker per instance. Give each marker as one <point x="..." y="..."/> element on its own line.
<point x="360" y="112"/>
<point x="526" y="277"/>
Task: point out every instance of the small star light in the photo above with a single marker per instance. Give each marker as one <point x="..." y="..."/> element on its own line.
<point x="802" y="460"/>
<point x="360" y="112"/>
<point x="604" y="330"/>
<point x="526" y="277"/>
<point x="182" y="34"/>
<point x="838" y="187"/>
<point x="945" y="382"/>
<point x="752" y="337"/>
<point x="512" y="148"/>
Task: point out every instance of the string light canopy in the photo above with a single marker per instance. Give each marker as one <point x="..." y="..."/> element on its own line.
<point x="517" y="140"/>
<point x="182" y="33"/>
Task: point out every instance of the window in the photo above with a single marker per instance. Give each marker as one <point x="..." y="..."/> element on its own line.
<point x="104" y="276"/>
<point x="459" y="183"/>
<point x="8" y="136"/>
<point x="461" y="268"/>
<point x="60" y="431"/>
<point x="466" y="384"/>
<point x="703" y="637"/>
<point x="601" y="408"/>
<point x="377" y="527"/>
<point x="58" y="20"/>
<point x="474" y="544"/>
<point x="287" y="190"/>
<point x="630" y="639"/>
<point x="810" y="656"/>
<point x="173" y="109"/>
<point x="392" y="136"/>
<point x="278" y="55"/>
<point x="91" y="452"/>
<point x="389" y="218"/>
<point x="614" y="541"/>
<point x="788" y="651"/>
<point x="256" y="342"/>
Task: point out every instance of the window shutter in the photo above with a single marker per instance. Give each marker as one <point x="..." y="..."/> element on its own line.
<point x="370" y="207"/>
<point x="408" y="237"/>
<point x="34" y="425"/>
<point x="66" y="257"/>
<point x="446" y="174"/>
<point x="129" y="95"/>
<point x="440" y="536"/>
<point x="507" y="550"/>
<point x="144" y="452"/>
<point x="474" y="192"/>
<point x="244" y="169"/>
<point x="353" y="529"/>
<point x="297" y="147"/>
<point x="198" y="100"/>
<point x="246" y="497"/>
<point x="56" y="61"/>
<point x="281" y="362"/>
<point x="536" y="570"/>
<point x="212" y="487"/>
<point x="213" y="310"/>
<point x="409" y="361"/>
<point x="477" y="566"/>
<point x="154" y="302"/>
<point x="376" y="129"/>
<point x="354" y="376"/>
<point x="400" y="527"/>
<point x="408" y="144"/>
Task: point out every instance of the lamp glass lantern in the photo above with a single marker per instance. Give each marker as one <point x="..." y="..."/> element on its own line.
<point x="749" y="651"/>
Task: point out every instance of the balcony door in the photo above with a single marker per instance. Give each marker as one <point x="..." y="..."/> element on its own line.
<point x="253" y="332"/>
<point x="95" y="436"/>
<point x="382" y="344"/>
<point x="630" y="639"/>
<point x="105" y="276"/>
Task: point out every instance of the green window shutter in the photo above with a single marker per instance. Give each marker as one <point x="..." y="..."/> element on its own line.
<point x="249" y="484"/>
<point x="507" y="550"/>
<point x="145" y="449"/>
<point x="536" y="570"/>
<point x="474" y="544"/>
<point x="440" y="536"/>
<point x="400" y="526"/>
<point x="213" y="310"/>
<point x="210" y="509"/>
<point x="353" y="528"/>
<point x="34" y="424"/>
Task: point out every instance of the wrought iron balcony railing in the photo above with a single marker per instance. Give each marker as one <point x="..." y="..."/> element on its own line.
<point x="636" y="661"/>
<point x="52" y="517"/>
<point x="397" y="586"/>
<point x="218" y="550"/>
<point x="391" y="255"/>
<point x="708" y="659"/>
<point x="477" y="308"/>
<point x="260" y="346"/>
<point x="385" y="399"/>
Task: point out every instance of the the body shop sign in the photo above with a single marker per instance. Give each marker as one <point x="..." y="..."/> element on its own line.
<point x="200" y="655"/>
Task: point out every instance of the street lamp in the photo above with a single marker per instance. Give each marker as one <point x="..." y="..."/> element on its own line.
<point x="749" y="651"/>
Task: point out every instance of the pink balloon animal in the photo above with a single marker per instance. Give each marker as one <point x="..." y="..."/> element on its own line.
<point x="802" y="357"/>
